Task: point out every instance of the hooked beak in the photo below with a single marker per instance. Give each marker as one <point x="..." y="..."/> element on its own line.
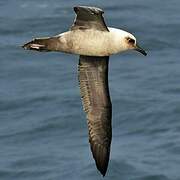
<point x="139" y="49"/>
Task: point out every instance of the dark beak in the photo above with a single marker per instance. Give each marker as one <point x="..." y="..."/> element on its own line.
<point x="141" y="50"/>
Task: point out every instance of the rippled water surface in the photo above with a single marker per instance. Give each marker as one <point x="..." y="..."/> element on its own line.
<point x="43" y="131"/>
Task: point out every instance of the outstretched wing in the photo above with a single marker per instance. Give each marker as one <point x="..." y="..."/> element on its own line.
<point x="93" y="81"/>
<point x="89" y="18"/>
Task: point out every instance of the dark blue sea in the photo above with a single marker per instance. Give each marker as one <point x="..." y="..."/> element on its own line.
<point x="43" y="129"/>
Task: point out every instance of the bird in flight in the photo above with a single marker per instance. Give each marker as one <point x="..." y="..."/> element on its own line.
<point x="90" y="38"/>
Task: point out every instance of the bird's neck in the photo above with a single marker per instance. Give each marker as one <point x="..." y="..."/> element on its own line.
<point x="117" y="37"/>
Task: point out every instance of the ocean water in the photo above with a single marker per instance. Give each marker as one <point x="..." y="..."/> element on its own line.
<point x="43" y="130"/>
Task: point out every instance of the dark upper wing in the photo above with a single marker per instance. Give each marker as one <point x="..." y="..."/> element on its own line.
<point x="93" y="80"/>
<point x="89" y="18"/>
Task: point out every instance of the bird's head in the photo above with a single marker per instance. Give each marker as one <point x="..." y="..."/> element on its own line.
<point x="125" y="41"/>
<point x="131" y="43"/>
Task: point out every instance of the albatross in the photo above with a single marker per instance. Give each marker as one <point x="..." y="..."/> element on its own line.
<point x="90" y="38"/>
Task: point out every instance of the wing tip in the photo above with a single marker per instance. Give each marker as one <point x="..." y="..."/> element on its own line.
<point x="102" y="168"/>
<point x="101" y="157"/>
<point x="103" y="171"/>
<point x="96" y="10"/>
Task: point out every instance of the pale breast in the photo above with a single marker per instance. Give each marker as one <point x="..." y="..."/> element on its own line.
<point x="91" y="42"/>
<point x="87" y="42"/>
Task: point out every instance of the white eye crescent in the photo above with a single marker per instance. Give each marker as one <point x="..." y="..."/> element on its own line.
<point x="131" y="41"/>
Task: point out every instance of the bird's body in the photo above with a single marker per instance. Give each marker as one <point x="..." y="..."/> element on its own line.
<point x="89" y="42"/>
<point x="90" y="38"/>
<point x="93" y="42"/>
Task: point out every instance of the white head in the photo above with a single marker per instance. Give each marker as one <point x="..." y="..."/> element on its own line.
<point x="126" y="41"/>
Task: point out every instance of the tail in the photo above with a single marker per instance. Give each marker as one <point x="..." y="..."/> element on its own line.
<point x="42" y="44"/>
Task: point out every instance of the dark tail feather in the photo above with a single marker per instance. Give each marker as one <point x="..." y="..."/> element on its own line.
<point x="42" y="44"/>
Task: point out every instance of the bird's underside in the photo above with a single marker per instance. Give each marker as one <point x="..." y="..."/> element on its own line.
<point x="93" y="82"/>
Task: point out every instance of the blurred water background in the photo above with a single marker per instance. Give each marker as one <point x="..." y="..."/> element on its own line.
<point x="43" y="130"/>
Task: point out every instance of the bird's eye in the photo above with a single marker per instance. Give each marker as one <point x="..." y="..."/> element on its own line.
<point x="131" y="41"/>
